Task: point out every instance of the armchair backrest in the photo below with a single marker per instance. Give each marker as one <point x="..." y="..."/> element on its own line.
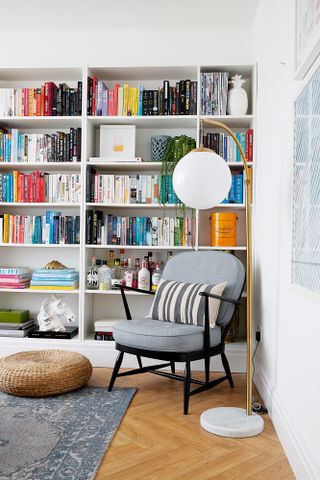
<point x="210" y="267"/>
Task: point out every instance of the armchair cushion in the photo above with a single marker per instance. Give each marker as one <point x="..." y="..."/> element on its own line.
<point x="155" y="335"/>
<point x="180" y="302"/>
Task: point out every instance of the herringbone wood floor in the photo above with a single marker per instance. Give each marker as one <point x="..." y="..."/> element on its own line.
<point x="156" y="441"/>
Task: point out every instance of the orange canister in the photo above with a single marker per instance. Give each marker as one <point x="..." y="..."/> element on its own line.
<point x="223" y="229"/>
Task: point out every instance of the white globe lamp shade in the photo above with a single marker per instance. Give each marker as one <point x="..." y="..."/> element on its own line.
<point x="202" y="179"/>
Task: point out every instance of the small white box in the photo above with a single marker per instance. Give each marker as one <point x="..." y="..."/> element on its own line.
<point x="118" y="142"/>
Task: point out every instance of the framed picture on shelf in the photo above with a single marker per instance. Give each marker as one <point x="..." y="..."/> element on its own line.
<point x="307" y="35"/>
<point x="118" y="142"/>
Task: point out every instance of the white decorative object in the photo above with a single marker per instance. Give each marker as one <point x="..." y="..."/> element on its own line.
<point x="202" y="179"/>
<point x="118" y="142"/>
<point x="231" y="422"/>
<point x="237" y="97"/>
<point x="53" y="313"/>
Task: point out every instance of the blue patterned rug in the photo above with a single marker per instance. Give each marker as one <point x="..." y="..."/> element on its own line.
<point x="59" y="438"/>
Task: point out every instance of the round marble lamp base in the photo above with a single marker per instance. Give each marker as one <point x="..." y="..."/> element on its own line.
<point x="231" y="422"/>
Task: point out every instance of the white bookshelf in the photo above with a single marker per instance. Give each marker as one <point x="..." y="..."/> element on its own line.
<point x="90" y="305"/>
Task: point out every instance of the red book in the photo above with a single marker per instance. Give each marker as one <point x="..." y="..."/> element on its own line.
<point x="94" y="95"/>
<point x="115" y="99"/>
<point x="42" y="100"/>
<point x="41" y="190"/>
<point x="249" y="145"/>
<point x="38" y="95"/>
<point x="21" y="230"/>
<point x="23" y="102"/>
<point x="29" y="188"/>
<point x="49" y="89"/>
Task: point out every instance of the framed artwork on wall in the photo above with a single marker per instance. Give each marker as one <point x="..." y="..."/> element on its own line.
<point x="118" y="142"/>
<point x="307" y="35"/>
<point x="306" y="188"/>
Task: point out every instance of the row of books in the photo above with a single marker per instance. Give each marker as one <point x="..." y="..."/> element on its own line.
<point x="107" y="229"/>
<point x="236" y="191"/>
<point x="40" y="147"/>
<point x="38" y="186"/>
<point x="214" y="93"/>
<point x="66" y="279"/>
<point x="148" y="189"/>
<point x="180" y="99"/>
<point x="51" y="228"/>
<point x="18" y="278"/>
<point x="225" y="146"/>
<point x="47" y="100"/>
<point x="103" y="330"/>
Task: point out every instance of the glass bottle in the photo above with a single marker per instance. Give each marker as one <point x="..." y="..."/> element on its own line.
<point x="144" y="277"/>
<point x="117" y="274"/>
<point x="129" y="274"/>
<point x="104" y="276"/>
<point x="156" y="277"/>
<point x="92" y="276"/>
<point x="111" y="258"/>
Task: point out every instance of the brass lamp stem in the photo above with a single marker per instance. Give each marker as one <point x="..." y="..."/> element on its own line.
<point x="248" y="197"/>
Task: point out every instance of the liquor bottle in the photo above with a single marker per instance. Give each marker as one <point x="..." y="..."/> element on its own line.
<point x="135" y="273"/>
<point x="111" y="259"/>
<point x="129" y="274"/>
<point x="156" y="277"/>
<point x="104" y="276"/>
<point x="117" y="274"/>
<point x="92" y="276"/>
<point x="144" y="277"/>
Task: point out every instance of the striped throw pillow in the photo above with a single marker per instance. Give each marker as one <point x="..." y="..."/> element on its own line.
<point x="180" y="302"/>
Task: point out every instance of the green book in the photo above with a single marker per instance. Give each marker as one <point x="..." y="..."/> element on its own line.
<point x="13" y="316"/>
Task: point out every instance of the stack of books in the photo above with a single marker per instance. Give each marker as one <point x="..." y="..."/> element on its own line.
<point x="18" y="277"/>
<point x="177" y="99"/>
<point x="51" y="228"/>
<point x="103" y="330"/>
<point x="214" y="93"/>
<point x="18" y="146"/>
<point x="15" y="323"/>
<point x="225" y="146"/>
<point x="47" y="100"/>
<point x="38" y="187"/>
<point x="44" y="279"/>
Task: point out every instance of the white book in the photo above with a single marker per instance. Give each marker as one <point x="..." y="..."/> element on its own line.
<point x="143" y="188"/>
<point x="120" y="101"/>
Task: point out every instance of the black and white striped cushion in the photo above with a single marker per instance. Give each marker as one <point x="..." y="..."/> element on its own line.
<point x="180" y="302"/>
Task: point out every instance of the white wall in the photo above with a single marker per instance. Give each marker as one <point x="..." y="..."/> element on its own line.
<point x="289" y="356"/>
<point x="127" y="32"/>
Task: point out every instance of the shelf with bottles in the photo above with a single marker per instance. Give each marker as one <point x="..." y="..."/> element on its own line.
<point x="106" y="275"/>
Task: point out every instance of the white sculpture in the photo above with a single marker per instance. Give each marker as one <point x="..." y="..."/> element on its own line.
<point x="237" y="97"/>
<point x="53" y="312"/>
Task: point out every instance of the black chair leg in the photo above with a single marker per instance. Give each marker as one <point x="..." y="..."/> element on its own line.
<point x="187" y="378"/>
<point x="139" y="361"/>
<point x="173" y="367"/>
<point x="207" y="368"/>
<point x="226" y="367"/>
<point x="116" y="369"/>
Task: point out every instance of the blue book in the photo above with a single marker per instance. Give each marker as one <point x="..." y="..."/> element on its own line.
<point x="144" y="230"/>
<point x="138" y="231"/>
<point x="140" y="99"/>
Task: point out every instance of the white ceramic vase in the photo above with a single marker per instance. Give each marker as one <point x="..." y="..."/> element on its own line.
<point x="237" y="97"/>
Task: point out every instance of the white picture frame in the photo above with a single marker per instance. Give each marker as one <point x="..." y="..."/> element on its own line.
<point x="118" y="142"/>
<point x="307" y="35"/>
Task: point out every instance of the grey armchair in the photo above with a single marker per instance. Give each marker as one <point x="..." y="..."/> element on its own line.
<point x="176" y="342"/>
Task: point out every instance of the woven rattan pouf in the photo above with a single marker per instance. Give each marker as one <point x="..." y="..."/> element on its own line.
<point x="41" y="373"/>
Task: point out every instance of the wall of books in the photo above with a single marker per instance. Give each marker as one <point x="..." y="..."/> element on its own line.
<point x="83" y="183"/>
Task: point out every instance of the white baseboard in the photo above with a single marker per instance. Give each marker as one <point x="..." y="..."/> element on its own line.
<point x="299" y="455"/>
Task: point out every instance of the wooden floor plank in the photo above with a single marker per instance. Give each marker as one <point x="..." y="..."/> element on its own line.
<point x="156" y="441"/>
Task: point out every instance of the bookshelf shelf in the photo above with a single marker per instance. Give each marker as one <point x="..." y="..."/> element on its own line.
<point x="136" y="247"/>
<point x="52" y="166"/>
<point x="39" y="204"/>
<point x="90" y="305"/>
<point x="40" y="122"/>
<point x="233" y="121"/>
<point x="38" y="245"/>
<point x="158" y="121"/>
<point x="43" y="292"/>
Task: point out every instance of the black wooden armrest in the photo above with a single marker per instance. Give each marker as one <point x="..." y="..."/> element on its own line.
<point x="124" y="287"/>
<point x="225" y="299"/>
<point x="124" y="298"/>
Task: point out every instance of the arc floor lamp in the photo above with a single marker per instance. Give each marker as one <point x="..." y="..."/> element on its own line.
<point x="202" y="179"/>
